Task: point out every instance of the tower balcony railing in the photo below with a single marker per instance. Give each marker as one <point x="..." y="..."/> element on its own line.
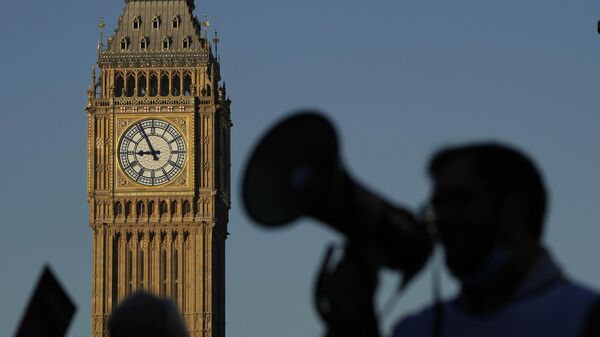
<point x="135" y="101"/>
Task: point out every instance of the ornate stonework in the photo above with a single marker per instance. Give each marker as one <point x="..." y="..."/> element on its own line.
<point x="152" y="230"/>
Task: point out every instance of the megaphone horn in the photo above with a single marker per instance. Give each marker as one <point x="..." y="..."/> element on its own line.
<point x="295" y="170"/>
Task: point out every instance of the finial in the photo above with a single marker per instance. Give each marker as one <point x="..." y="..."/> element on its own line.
<point x="205" y="23"/>
<point x="101" y="26"/>
<point x="216" y="41"/>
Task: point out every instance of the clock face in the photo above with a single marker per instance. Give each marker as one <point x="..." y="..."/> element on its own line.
<point x="152" y="152"/>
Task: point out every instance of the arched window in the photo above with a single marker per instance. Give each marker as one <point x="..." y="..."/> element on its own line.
<point x="118" y="209"/>
<point x="119" y="85"/>
<point x="186" y="42"/>
<point x="142" y="85"/>
<point x="176" y="85"/>
<point x="173" y="207"/>
<point x="164" y="85"/>
<point x="130" y="87"/>
<point x="144" y="43"/>
<point x="150" y="208"/>
<point x="163" y="207"/>
<point x="127" y="208"/>
<point x="153" y="85"/>
<point x="137" y="22"/>
<point x="176" y="21"/>
<point x="156" y="22"/>
<point x="140" y="208"/>
<point x="208" y="90"/>
<point x="187" y="84"/>
<point x="124" y="43"/>
<point x="185" y="207"/>
<point x="167" y="43"/>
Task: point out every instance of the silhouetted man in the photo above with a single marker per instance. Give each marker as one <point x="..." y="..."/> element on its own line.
<point x="489" y="203"/>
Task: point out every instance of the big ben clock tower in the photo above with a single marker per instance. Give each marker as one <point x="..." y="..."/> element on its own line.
<point x="159" y="166"/>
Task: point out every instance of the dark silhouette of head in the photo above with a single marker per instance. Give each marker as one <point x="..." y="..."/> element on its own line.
<point x="144" y="315"/>
<point x="490" y="203"/>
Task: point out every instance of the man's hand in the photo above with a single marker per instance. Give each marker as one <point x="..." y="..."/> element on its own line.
<point x="344" y="295"/>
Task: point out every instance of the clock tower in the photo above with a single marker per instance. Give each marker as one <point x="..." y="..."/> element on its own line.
<point x="159" y="165"/>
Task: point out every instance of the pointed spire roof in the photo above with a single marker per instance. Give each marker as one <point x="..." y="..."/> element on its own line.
<point x="151" y="29"/>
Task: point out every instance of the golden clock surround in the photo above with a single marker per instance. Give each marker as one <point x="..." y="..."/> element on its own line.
<point x="184" y="123"/>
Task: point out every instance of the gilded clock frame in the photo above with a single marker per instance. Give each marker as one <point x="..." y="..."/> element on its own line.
<point x="184" y="181"/>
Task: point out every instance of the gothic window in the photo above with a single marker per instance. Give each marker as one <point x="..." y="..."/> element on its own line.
<point x="166" y="43"/>
<point x="144" y="43"/>
<point x="164" y="85"/>
<point x="186" y="42"/>
<point x="124" y="43"/>
<point x="176" y="22"/>
<point x="142" y="85"/>
<point x="156" y="22"/>
<point x="173" y="208"/>
<point x="137" y="23"/>
<point x="187" y="84"/>
<point x="140" y="208"/>
<point x="130" y="87"/>
<point x="119" y="85"/>
<point x="185" y="207"/>
<point x="150" y="208"/>
<point x="208" y="90"/>
<point x="176" y="86"/>
<point x="153" y="85"/>
<point x="127" y="209"/>
<point x="118" y="210"/>
<point x="163" y="207"/>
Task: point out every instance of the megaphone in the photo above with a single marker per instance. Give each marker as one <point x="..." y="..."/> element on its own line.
<point x="295" y="170"/>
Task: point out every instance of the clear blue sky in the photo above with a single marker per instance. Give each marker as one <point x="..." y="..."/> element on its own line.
<point x="400" y="79"/>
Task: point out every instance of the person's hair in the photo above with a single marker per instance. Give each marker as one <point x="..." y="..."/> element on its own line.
<point x="144" y="315"/>
<point x="506" y="170"/>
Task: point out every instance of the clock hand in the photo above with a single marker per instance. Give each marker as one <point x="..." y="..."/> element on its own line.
<point x="152" y="152"/>
<point x="141" y="153"/>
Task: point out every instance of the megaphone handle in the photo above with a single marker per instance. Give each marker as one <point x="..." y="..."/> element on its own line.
<point x="320" y="296"/>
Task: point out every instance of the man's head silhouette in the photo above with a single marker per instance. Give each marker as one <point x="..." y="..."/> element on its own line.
<point x="490" y="203"/>
<point x="145" y="315"/>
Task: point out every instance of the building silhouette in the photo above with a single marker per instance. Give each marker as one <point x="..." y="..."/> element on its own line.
<point x="159" y="165"/>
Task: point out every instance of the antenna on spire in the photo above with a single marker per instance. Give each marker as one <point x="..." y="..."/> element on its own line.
<point x="216" y="41"/>
<point x="101" y="26"/>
